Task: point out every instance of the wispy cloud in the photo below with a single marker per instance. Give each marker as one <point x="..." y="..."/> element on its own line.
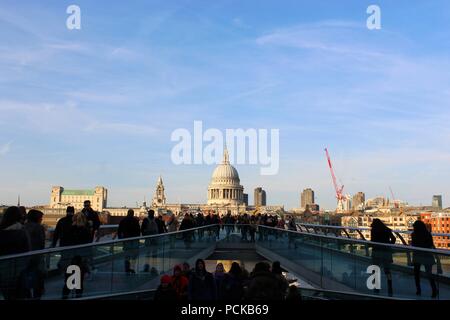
<point x="122" y="128"/>
<point x="5" y="148"/>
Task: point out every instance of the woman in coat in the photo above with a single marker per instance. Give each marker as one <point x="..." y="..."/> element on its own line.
<point x="382" y="255"/>
<point x="13" y="240"/>
<point x="422" y="238"/>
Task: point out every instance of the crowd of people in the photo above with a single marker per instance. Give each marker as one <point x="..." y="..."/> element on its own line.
<point x="265" y="282"/>
<point x="21" y="232"/>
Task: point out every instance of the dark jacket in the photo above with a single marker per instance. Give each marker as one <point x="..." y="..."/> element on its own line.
<point x="128" y="228"/>
<point x="200" y="220"/>
<point x="36" y="232"/>
<point x="382" y="254"/>
<point x="186" y="223"/>
<point x="149" y="227"/>
<point x="62" y="231"/>
<point x="264" y="285"/>
<point x="14" y="240"/>
<point x="79" y="235"/>
<point x="93" y="219"/>
<point x="424" y="241"/>
<point x="202" y="287"/>
<point x="161" y="226"/>
<point x="232" y="288"/>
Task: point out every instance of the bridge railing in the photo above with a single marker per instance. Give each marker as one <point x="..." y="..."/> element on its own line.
<point x="358" y="233"/>
<point x="329" y="262"/>
<point x="346" y="264"/>
<point x="106" y="267"/>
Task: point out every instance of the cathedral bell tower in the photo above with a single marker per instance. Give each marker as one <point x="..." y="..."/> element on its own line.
<point x="159" y="199"/>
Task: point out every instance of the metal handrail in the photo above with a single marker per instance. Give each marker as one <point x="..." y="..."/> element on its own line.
<point x="366" y="229"/>
<point x="93" y="244"/>
<point x="110" y="242"/>
<point x="366" y="242"/>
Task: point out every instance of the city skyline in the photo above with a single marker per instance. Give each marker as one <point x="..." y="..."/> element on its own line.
<point x="97" y="106"/>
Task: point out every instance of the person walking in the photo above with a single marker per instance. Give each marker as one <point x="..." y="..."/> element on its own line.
<point x="31" y="280"/>
<point x="381" y="254"/>
<point x="200" y="222"/>
<point x="62" y="229"/>
<point x="80" y="233"/>
<point x="187" y="270"/>
<point x="161" y="225"/>
<point x="422" y="238"/>
<point x="233" y="284"/>
<point x="93" y="219"/>
<point x="291" y="227"/>
<point x="252" y="228"/>
<point x="187" y="224"/>
<point x="278" y="272"/>
<point x="172" y="226"/>
<point x="149" y="227"/>
<point x="202" y="286"/>
<point x="13" y="240"/>
<point x="263" y="284"/>
<point x="229" y="224"/>
<point x="35" y="230"/>
<point x="180" y="283"/>
<point x="129" y="228"/>
<point x="219" y="277"/>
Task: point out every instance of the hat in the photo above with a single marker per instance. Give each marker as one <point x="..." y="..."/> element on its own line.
<point x="166" y="279"/>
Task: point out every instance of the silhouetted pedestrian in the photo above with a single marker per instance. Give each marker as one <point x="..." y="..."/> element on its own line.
<point x="278" y="272"/>
<point x="80" y="233"/>
<point x="62" y="229"/>
<point x="233" y="284"/>
<point x="35" y="230"/>
<point x="13" y="240"/>
<point x="149" y="227"/>
<point x="382" y="255"/>
<point x="264" y="285"/>
<point x="180" y="283"/>
<point x="202" y="286"/>
<point x="422" y="238"/>
<point x="129" y="228"/>
<point x="93" y="219"/>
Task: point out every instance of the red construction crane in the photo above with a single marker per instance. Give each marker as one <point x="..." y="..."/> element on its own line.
<point x="338" y="189"/>
<point x="393" y="198"/>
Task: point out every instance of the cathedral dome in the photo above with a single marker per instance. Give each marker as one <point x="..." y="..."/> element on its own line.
<point x="225" y="172"/>
<point x="225" y="187"/>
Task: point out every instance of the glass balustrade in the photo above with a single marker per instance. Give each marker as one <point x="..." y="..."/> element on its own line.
<point x="339" y="263"/>
<point x="119" y="266"/>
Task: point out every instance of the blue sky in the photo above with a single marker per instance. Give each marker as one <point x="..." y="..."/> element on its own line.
<point x="97" y="106"/>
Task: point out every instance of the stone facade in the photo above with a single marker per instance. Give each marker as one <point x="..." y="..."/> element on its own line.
<point x="61" y="198"/>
